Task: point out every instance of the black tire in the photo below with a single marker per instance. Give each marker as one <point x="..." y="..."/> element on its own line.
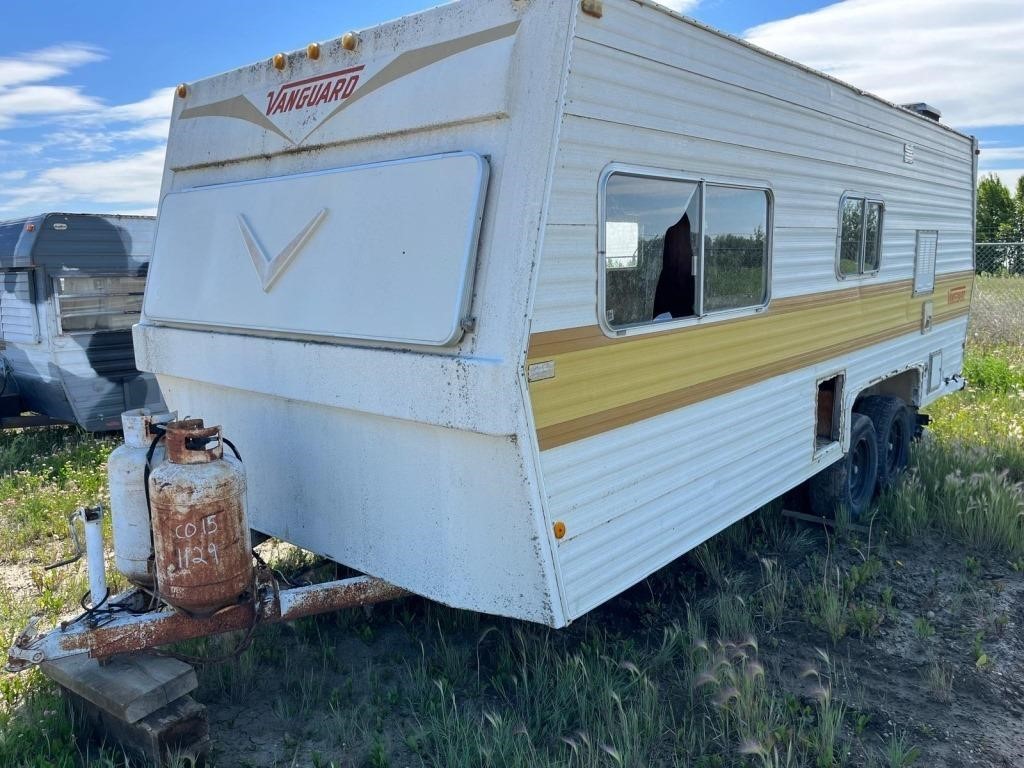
<point x="895" y="433"/>
<point x="851" y="481"/>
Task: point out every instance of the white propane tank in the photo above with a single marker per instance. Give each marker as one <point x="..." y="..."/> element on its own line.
<point x="126" y="468"/>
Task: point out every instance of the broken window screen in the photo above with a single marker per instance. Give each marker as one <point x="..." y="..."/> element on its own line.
<point x="735" y="248"/>
<point x="860" y="236"/>
<point x="651" y="230"/>
<point x="98" y="303"/>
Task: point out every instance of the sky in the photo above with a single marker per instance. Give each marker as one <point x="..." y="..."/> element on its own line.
<point x="86" y="88"/>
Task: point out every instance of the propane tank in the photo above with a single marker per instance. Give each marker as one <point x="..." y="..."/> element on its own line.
<point x="126" y="469"/>
<point x="200" y="529"/>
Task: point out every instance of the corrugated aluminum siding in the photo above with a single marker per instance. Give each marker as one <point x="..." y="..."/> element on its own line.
<point x="649" y="89"/>
<point x="636" y="498"/>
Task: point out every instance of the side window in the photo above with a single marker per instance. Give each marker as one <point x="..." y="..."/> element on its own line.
<point x="735" y="248"/>
<point x="679" y="248"/>
<point x="651" y="273"/>
<point x="98" y="303"/>
<point x="860" y="235"/>
<point x="924" y="260"/>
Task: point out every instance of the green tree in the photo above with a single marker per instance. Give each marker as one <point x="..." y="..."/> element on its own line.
<point x="995" y="208"/>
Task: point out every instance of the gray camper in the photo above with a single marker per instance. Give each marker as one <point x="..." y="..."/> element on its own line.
<point x="71" y="290"/>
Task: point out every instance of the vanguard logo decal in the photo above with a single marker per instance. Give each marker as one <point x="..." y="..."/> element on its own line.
<point x="296" y="110"/>
<point x="313" y="91"/>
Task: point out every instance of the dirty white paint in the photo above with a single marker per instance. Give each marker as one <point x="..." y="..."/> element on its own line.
<point x="415" y="458"/>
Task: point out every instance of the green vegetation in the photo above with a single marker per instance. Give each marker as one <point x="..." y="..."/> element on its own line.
<point x="739" y="655"/>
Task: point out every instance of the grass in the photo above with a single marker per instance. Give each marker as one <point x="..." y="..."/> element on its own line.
<point x="684" y="670"/>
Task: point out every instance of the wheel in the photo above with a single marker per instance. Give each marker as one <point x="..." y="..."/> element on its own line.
<point x="895" y="433"/>
<point x="851" y="481"/>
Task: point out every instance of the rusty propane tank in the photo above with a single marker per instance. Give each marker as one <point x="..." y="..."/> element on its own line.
<point x="200" y="527"/>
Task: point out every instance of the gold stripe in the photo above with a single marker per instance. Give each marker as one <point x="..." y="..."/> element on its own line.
<point x="603" y="383"/>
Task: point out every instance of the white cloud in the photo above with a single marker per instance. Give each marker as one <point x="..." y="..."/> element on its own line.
<point x="1008" y="176"/>
<point x="679" y="6"/>
<point x="34" y="100"/>
<point x="23" y="94"/>
<point x="962" y="56"/>
<point x="85" y="154"/>
<point x="129" y="181"/>
<point x="995" y="154"/>
<point x="46" y="64"/>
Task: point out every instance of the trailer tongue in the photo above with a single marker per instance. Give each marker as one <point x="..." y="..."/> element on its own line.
<point x="207" y="581"/>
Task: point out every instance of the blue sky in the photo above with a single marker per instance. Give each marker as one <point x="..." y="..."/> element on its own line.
<point x="84" y="87"/>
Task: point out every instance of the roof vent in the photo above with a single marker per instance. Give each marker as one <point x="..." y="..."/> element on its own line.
<point x="925" y="110"/>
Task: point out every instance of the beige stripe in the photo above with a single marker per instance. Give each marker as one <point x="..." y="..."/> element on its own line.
<point x="587" y="426"/>
<point x="551" y="343"/>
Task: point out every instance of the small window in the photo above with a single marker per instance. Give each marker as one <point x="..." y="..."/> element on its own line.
<point x="98" y="303"/>
<point x="860" y="235"/>
<point x="677" y="248"/>
<point x="924" y="261"/>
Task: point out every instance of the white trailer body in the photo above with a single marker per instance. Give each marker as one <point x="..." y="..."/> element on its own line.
<point x="399" y="276"/>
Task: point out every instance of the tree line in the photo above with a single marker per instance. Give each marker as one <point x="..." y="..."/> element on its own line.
<point x="1000" y="217"/>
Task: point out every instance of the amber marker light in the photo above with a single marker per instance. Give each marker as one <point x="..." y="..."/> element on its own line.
<point x="313" y="51"/>
<point x="350" y="41"/>
<point x="279" y="60"/>
<point x="182" y="90"/>
<point x="559" y="530"/>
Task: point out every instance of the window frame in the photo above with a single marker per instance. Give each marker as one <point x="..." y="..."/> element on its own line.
<point x="702" y="181"/>
<point x="866" y="199"/>
<point x="58" y="320"/>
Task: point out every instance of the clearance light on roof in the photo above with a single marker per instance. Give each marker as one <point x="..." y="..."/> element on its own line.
<point x="350" y="41"/>
<point x="313" y="51"/>
<point x="182" y="90"/>
<point x="279" y="60"/>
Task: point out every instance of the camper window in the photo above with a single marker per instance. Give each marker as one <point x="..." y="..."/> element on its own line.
<point x="677" y="248"/>
<point x="98" y="303"/>
<point x="860" y="235"/>
<point x="735" y="248"/>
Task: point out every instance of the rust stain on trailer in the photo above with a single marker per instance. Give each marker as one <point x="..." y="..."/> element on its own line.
<point x="308" y="601"/>
<point x="148" y="631"/>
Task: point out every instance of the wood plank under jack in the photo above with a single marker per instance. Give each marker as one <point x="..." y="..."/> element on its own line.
<point x="128" y="687"/>
<point x="140" y="702"/>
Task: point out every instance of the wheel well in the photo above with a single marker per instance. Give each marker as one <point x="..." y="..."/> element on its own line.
<point x="905" y="385"/>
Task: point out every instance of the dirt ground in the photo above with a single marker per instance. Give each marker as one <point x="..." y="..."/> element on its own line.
<point x="341" y="690"/>
<point x="885" y="677"/>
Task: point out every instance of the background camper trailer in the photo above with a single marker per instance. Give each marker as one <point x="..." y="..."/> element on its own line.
<point x="509" y="304"/>
<point x="72" y="288"/>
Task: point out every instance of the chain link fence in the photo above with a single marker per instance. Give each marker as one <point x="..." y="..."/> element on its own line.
<point x="997" y="313"/>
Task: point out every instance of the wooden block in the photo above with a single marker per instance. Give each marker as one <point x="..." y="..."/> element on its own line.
<point x="178" y="729"/>
<point x="128" y="687"/>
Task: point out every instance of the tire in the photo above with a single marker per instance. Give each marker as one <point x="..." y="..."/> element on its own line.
<point x="851" y="481"/>
<point x="895" y="432"/>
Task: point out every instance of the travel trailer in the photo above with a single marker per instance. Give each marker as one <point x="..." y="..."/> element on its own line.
<point x="509" y="304"/>
<point x="72" y="288"/>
